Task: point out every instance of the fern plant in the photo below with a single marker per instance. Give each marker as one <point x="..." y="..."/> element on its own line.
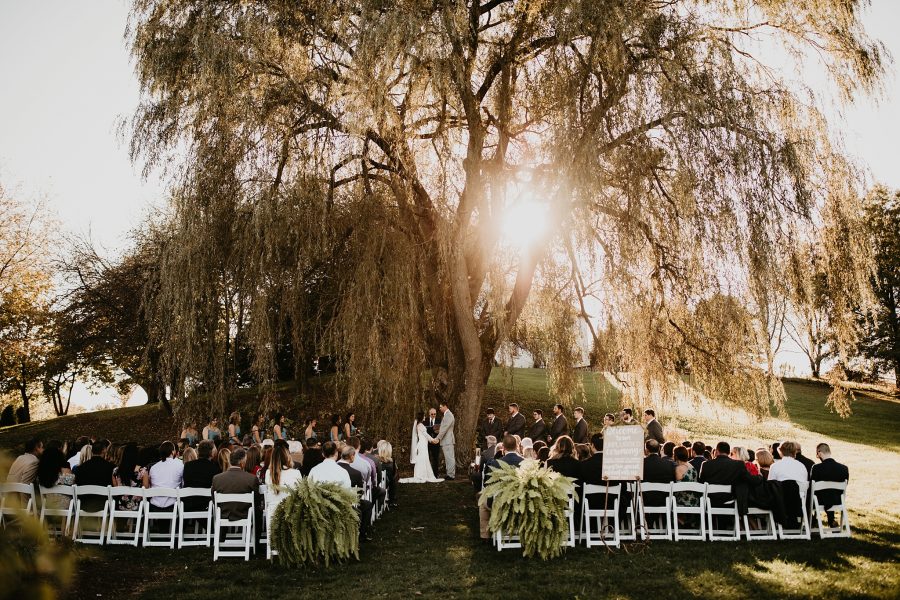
<point x="316" y="522"/>
<point x="530" y="501"/>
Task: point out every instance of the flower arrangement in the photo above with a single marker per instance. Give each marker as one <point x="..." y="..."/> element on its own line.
<point x="316" y="522"/>
<point x="530" y="501"/>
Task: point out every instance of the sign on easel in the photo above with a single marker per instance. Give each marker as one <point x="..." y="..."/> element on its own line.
<point x="623" y="453"/>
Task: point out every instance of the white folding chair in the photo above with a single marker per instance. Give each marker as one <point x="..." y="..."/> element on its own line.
<point x="58" y="501"/>
<point x="843" y="530"/>
<point x="728" y="510"/>
<point x="656" y="514"/>
<point x="201" y="518"/>
<point x="129" y="520"/>
<point x="628" y="526"/>
<point x="763" y="516"/>
<point x="152" y="515"/>
<point x="90" y="494"/>
<point x="569" y="540"/>
<point x="604" y="513"/>
<point x="271" y="498"/>
<point x="16" y="500"/>
<point x="264" y="492"/>
<point x="698" y="512"/>
<point x="225" y="546"/>
<point x="802" y="532"/>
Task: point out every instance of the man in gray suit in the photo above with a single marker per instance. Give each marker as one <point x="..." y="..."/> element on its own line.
<point x="447" y="441"/>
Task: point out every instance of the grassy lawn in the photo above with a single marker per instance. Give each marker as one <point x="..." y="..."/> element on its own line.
<point x="429" y="547"/>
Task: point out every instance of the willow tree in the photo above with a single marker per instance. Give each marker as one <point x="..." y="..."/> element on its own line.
<point x="347" y="167"/>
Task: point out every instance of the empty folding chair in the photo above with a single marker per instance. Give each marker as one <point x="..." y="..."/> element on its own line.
<point x="126" y="507"/>
<point x="227" y="546"/>
<point x="721" y="507"/>
<point x="691" y="515"/>
<point x="569" y="539"/>
<point x="57" y="502"/>
<point x="602" y="504"/>
<point x="91" y="506"/>
<point x="801" y="532"/>
<point x="191" y="502"/>
<point x="16" y="500"/>
<point x="655" y="502"/>
<point x="762" y="517"/>
<point x="832" y="488"/>
<point x="152" y="514"/>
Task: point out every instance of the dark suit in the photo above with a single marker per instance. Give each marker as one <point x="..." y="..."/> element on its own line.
<point x="311" y="458"/>
<point x="365" y="506"/>
<point x="655" y="432"/>
<point x="580" y="434"/>
<point x="724" y="471"/>
<point x="538" y="431"/>
<point x="806" y="463"/>
<point x="96" y="471"/>
<point x="657" y="470"/>
<point x="356" y="479"/>
<point x="591" y="470"/>
<point x="516" y="425"/>
<point x="490" y="427"/>
<point x="829" y="470"/>
<point x="559" y="428"/>
<point x="199" y="474"/>
<point x="236" y="481"/>
<point x="432" y="425"/>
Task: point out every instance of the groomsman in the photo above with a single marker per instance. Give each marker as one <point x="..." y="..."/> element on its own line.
<point x="560" y="426"/>
<point x="432" y="423"/>
<point x="491" y="425"/>
<point x="538" y="429"/>
<point x="580" y="433"/>
<point x="516" y="423"/>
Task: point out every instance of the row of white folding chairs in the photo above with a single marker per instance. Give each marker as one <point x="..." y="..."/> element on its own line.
<point x="505" y="540"/>
<point x="661" y="521"/>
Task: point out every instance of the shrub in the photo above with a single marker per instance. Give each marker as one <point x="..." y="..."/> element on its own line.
<point x="530" y="501"/>
<point x="316" y="522"/>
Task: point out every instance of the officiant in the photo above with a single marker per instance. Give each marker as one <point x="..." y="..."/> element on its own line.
<point x="432" y="424"/>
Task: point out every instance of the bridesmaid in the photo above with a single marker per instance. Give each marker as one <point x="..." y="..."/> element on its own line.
<point x="256" y="432"/>
<point x="189" y="433"/>
<point x="279" y="432"/>
<point x="349" y="426"/>
<point x="234" y="428"/>
<point x="211" y="432"/>
<point x="334" y="434"/>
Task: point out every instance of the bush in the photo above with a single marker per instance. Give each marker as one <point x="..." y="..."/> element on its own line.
<point x="316" y="522"/>
<point x="530" y="501"/>
<point x="8" y="416"/>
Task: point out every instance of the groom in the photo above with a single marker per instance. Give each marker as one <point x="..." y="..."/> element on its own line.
<point x="447" y="441"/>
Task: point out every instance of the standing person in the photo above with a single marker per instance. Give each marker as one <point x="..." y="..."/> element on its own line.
<point x="310" y="432"/>
<point x="516" y="423"/>
<point x="422" y="473"/>
<point x="447" y="440"/>
<point x="628" y="416"/>
<point x="234" y="428"/>
<point x="350" y="426"/>
<point x="189" y="433"/>
<point x="491" y="425"/>
<point x="334" y="434"/>
<point x="580" y="434"/>
<point x="432" y="424"/>
<point x="257" y="431"/>
<point x="25" y="468"/>
<point x="538" y="429"/>
<point x="279" y="431"/>
<point x="560" y="426"/>
<point x="654" y="429"/>
<point x="608" y="420"/>
<point x="211" y="431"/>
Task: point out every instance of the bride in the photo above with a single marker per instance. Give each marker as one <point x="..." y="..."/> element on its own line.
<point x="419" y="454"/>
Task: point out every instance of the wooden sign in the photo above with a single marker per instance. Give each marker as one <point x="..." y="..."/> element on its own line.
<point x="623" y="453"/>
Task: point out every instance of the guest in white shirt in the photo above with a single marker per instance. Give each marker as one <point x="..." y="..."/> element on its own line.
<point x="279" y="477"/>
<point x="328" y="470"/>
<point x="80" y="444"/>
<point x="167" y="473"/>
<point x="788" y="468"/>
<point x="24" y="469"/>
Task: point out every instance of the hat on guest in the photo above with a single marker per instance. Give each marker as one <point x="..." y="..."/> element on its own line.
<point x="268" y="443"/>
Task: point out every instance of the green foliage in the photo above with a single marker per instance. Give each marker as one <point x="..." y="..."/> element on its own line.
<point x="316" y="522"/>
<point x="530" y="501"/>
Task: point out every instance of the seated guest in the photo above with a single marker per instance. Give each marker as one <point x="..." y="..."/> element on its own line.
<point x="235" y="480"/>
<point x="543" y="454"/>
<point x="253" y="460"/>
<point x="328" y="470"/>
<point x="167" y="473"/>
<point x="667" y="449"/>
<point x="687" y="444"/>
<point x="741" y="454"/>
<point x="722" y="470"/>
<point x="95" y="471"/>
<point x="582" y="452"/>
<point x="280" y="477"/>
<point x="53" y="469"/>
<point x="349" y="456"/>
<point x="75" y="458"/>
<point x="487" y="455"/>
<point x="312" y="457"/>
<point x="765" y="461"/>
<point x="788" y="468"/>
<point x="84" y="455"/>
<point x="828" y="470"/>
<point x="806" y="462"/>
<point x="25" y="468"/>
<point x="223" y="457"/>
<point x="776" y="455"/>
<point x="386" y="454"/>
<point x="129" y="473"/>
<point x="189" y="455"/>
<point x="591" y="468"/>
<point x="685" y="472"/>
<point x="510" y="457"/>
<point x="562" y="458"/>
<point x="656" y="470"/>
<point x="199" y="474"/>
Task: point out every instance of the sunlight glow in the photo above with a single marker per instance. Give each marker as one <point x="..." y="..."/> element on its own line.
<point x="525" y="222"/>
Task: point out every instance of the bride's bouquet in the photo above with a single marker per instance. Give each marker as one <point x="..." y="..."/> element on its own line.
<point x="530" y="501"/>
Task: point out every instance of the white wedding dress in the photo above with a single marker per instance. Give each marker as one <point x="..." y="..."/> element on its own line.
<point x="419" y="457"/>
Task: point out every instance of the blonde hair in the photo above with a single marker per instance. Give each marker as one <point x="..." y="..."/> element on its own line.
<point x="385" y="451"/>
<point x="764" y="458"/>
<point x="189" y="455"/>
<point x="224" y="459"/>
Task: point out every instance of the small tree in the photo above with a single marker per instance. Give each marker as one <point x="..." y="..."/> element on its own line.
<point x="808" y="324"/>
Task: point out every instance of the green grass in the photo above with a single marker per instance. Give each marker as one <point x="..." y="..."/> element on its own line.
<point x="429" y="546"/>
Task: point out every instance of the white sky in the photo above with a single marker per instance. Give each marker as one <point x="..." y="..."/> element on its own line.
<point x="66" y="79"/>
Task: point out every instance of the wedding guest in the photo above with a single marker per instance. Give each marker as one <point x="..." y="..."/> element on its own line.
<point x="828" y="470"/>
<point x="516" y="423"/>
<point x="654" y="429"/>
<point x="199" y="474"/>
<point x="279" y="431"/>
<point x="129" y="473"/>
<point x="543" y="454"/>
<point x="656" y="468"/>
<point x="334" y="434"/>
<point x="591" y="468"/>
<point x="350" y="426"/>
<point x="235" y="480"/>
<point x="258" y="429"/>
<point x="280" y="477"/>
<point x="328" y="470"/>
<point x="580" y="434"/>
<point x="776" y="455"/>
<point x="189" y="432"/>
<point x="312" y="457"/>
<point x="788" y="468"/>
<point x="25" y="468"/>
<point x="310" y="431"/>
<point x="741" y="454"/>
<point x="608" y="419"/>
<point x="487" y="455"/>
<point x="527" y="447"/>
<point x="562" y="458"/>
<point x="560" y="425"/>
<point x="52" y="468"/>
<point x="582" y="451"/>
<point x="697" y="459"/>
<point x="223" y="458"/>
<point x="95" y="471"/>
<point x="167" y="473"/>
<point x="667" y="451"/>
<point x="188" y="455"/>
<point x="490" y="426"/>
<point x="253" y="460"/>
<point x="211" y="431"/>
<point x="538" y="430"/>
<point x="386" y="454"/>
<point x="764" y="460"/>
<point x="75" y="458"/>
<point x="538" y="444"/>
<point x="806" y="462"/>
<point x="685" y="473"/>
<point x="349" y="458"/>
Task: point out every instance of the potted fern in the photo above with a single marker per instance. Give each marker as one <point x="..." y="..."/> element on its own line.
<point x="530" y="501"/>
<point x="316" y="522"/>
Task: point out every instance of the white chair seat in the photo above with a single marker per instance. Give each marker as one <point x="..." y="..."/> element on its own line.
<point x="697" y="513"/>
<point x="168" y="514"/>
<point x="728" y="511"/>
<point x="240" y="547"/>
<point x="605" y="511"/>
<point x="79" y="531"/>
<point x="127" y="518"/>
<point x="58" y="502"/>
<point x="16" y="500"/>
<point x="199" y="517"/>
<point x="843" y="530"/>
<point x="652" y="514"/>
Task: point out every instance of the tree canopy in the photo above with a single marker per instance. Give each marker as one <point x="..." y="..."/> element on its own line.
<point x="341" y="172"/>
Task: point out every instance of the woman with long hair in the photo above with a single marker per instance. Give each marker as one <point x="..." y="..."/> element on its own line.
<point x="223" y="458"/>
<point x="310" y="431"/>
<point x="234" y="428"/>
<point x="562" y="457"/>
<point x="211" y="431"/>
<point x="349" y="426"/>
<point x="189" y="432"/>
<point x="130" y="473"/>
<point x="279" y="432"/>
<point x="334" y="434"/>
<point x="386" y="456"/>
<point x="257" y="431"/>
<point x="254" y="458"/>
<point x="280" y="477"/>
